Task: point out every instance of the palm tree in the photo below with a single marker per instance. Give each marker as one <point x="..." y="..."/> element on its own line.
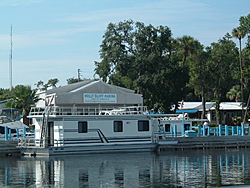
<point x="234" y="93"/>
<point x="239" y="34"/>
<point x="23" y="97"/>
<point x="189" y="45"/>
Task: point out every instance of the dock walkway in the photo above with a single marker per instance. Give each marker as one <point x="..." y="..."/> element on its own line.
<point x="203" y="142"/>
<point x="8" y="148"/>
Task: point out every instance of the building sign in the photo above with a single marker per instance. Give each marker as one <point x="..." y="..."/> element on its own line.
<point x="99" y="98"/>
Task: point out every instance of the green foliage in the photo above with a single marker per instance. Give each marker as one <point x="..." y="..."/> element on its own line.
<point x="50" y="83"/>
<point x="234" y="93"/>
<point x="4" y="94"/>
<point x="75" y="80"/>
<point x="23" y="97"/>
<point x="139" y="57"/>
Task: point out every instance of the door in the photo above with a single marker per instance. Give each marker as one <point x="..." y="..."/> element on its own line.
<point x="50" y="133"/>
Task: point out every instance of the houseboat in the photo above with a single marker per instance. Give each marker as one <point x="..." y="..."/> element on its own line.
<point x="85" y="118"/>
<point x="67" y="131"/>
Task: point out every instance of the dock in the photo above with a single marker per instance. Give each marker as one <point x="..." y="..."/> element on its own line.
<point x="203" y="142"/>
<point x="8" y="148"/>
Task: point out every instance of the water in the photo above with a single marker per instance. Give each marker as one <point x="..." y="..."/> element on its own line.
<point x="188" y="168"/>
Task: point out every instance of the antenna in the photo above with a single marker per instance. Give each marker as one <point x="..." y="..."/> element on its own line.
<point x="79" y="75"/>
<point x="10" y="60"/>
<point x="10" y="64"/>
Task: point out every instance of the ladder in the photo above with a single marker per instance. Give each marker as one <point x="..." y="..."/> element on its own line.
<point x="43" y="139"/>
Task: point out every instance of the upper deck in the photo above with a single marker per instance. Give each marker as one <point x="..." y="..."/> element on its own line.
<point x="69" y="111"/>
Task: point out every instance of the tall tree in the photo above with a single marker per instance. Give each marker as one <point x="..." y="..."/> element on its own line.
<point x="239" y="34"/>
<point x="200" y="79"/>
<point x="136" y="56"/>
<point x="222" y="62"/>
<point x="23" y="97"/>
<point x="188" y="46"/>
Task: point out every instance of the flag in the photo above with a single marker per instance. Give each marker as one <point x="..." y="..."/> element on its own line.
<point x="51" y="100"/>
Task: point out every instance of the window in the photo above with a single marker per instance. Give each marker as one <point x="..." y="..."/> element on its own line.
<point x="82" y="127"/>
<point x="118" y="126"/>
<point x="186" y="126"/>
<point x="167" y="127"/>
<point x="143" y="125"/>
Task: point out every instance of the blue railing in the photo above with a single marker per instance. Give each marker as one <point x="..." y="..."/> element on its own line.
<point x="200" y="130"/>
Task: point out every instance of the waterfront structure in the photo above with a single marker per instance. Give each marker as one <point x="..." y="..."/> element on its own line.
<point x="228" y="110"/>
<point x="86" y="118"/>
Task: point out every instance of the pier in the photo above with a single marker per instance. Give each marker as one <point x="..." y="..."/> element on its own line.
<point x="8" y="148"/>
<point x="203" y="142"/>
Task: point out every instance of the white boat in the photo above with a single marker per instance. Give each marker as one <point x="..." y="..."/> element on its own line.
<point x="10" y="119"/>
<point x="67" y="131"/>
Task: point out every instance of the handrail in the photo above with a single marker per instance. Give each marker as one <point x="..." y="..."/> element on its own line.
<point x="62" y="110"/>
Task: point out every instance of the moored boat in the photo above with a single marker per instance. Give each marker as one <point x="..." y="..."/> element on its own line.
<point x="61" y="130"/>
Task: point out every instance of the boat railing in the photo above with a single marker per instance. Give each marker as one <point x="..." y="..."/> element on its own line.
<point x="60" y="110"/>
<point x="24" y="142"/>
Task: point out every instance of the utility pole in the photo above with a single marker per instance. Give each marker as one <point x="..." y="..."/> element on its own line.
<point x="79" y="75"/>
<point x="10" y="70"/>
<point x="10" y="60"/>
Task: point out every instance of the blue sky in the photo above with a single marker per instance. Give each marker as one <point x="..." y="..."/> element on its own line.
<point x="55" y="38"/>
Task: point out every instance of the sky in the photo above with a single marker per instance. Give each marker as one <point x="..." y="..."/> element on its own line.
<point x="54" y="38"/>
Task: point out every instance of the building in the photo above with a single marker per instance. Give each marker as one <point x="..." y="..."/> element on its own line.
<point x="90" y="94"/>
<point x="228" y="111"/>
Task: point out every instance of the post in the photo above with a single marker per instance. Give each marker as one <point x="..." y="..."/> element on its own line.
<point x="204" y="130"/>
<point x="238" y="130"/>
<point x="220" y="130"/>
<point x="24" y="132"/>
<point x="175" y="130"/>
<point x="242" y="129"/>
<point x="226" y="130"/>
<point x="208" y="131"/>
<point x="171" y="131"/>
<point x="199" y="130"/>
<point x="10" y="136"/>
<point x="17" y="133"/>
<point x="182" y="130"/>
<point x="183" y="123"/>
<point x="6" y="133"/>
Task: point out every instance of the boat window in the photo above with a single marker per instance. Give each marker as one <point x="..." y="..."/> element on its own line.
<point x="118" y="127"/>
<point x="82" y="127"/>
<point x="143" y="125"/>
<point x="186" y="127"/>
<point x="167" y="127"/>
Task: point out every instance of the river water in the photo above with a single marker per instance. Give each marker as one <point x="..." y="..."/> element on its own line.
<point x="188" y="168"/>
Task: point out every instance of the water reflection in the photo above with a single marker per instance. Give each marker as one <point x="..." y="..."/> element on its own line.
<point x="188" y="168"/>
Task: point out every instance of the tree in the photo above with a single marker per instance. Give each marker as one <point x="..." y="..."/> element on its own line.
<point x="200" y="79"/>
<point x="188" y="46"/>
<point x="136" y="56"/>
<point x="222" y="62"/>
<point x="75" y="80"/>
<point x="245" y="23"/>
<point x="50" y="83"/>
<point x="240" y="33"/>
<point x="234" y="93"/>
<point x="23" y="97"/>
<point x="4" y="94"/>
